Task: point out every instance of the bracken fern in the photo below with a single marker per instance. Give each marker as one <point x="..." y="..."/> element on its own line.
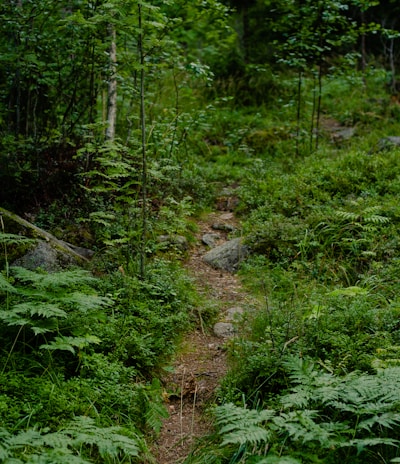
<point x="80" y="442"/>
<point x="321" y="418"/>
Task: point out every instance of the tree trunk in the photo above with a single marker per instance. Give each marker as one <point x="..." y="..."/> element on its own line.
<point x="363" y="49"/>
<point x="112" y="86"/>
<point x="144" y="155"/>
<point x="80" y="254"/>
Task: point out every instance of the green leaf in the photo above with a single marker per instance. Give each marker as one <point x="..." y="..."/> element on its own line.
<point x="5" y="286"/>
<point x="349" y="291"/>
<point x="70" y="343"/>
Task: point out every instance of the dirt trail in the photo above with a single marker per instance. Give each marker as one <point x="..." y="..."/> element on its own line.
<point x="201" y="362"/>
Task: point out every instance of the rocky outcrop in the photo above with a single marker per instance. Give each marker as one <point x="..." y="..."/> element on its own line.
<point x="45" y="251"/>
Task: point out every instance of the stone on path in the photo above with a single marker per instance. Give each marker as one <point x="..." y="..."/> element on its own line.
<point x="224" y="329"/>
<point x="223" y="226"/>
<point x="227" y="256"/>
<point x="210" y="239"/>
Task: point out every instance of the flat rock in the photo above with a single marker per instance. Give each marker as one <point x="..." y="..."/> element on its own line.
<point x="210" y="239"/>
<point x="227" y="256"/>
<point x="224" y="329"/>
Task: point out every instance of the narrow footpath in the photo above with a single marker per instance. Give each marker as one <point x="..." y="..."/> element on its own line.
<point x="201" y="362"/>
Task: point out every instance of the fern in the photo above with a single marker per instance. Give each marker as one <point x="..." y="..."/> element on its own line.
<point x="320" y="415"/>
<point x="240" y="426"/>
<point x="55" y="304"/>
<point x="151" y="404"/>
<point x="33" y="447"/>
<point x="70" y="343"/>
<point x="109" y="441"/>
<point x="368" y="215"/>
<point x="305" y="426"/>
<point x="56" y="280"/>
<point x="79" y="443"/>
<point x="13" y="239"/>
<point x="5" y="286"/>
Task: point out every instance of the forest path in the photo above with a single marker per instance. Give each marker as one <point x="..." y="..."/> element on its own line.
<point x="201" y="362"/>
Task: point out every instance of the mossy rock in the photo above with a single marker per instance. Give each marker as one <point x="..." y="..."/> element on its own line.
<point x="29" y="246"/>
<point x="262" y="139"/>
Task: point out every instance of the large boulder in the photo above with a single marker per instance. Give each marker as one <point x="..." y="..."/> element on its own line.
<point x="46" y="257"/>
<point x="32" y="247"/>
<point x="227" y="256"/>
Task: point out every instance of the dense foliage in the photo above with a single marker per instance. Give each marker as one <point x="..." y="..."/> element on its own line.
<point x="119" y="122"/>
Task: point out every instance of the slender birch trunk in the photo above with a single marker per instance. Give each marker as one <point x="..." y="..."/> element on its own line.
<point x="143" y="142"/>
<point x="112" y="86"/>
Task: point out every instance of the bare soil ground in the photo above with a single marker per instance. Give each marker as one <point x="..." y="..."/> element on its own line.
<point x="201" y="362"/>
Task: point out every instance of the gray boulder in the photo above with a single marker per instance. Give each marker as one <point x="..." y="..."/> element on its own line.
<point x="46" y="257"/>
<point x="227" y="256"/>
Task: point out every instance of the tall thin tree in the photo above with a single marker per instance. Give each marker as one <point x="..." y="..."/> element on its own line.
<point x="112" y="85"/>
<point x="143" y="143"/>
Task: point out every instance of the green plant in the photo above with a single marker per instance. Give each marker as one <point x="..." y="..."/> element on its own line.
<point x="79" y="442"/>
<point x="50" y="308"/>
<point x="319" y="418"/>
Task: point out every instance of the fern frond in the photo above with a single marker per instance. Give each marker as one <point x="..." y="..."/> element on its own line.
<point x="108" y="440"/>
<point x="70" y="279"/>
<point x="300" y="370"/>
<point x="376" y="219"/>
<point x="73" y="278"/>
<point x="66" y="446"/>
<point x="305" y="426"/>
<point x="368" y="215"/>
<point x="5" y="286"/>
<point x="84" y="302"/>
<point x="4" y="444"/>
<point x="240" y="426"/>
<point x="13" y="239"/>
<point x="251" y="435"/>
<point x="106" y="219"/>
<point x="36" y="448"/>
<point x="70" y="343"/>
<point x="37" y="308"/>
<point x="363" y="443"/>
<point x="347" y="216"/>
<point x="386" y="420"/>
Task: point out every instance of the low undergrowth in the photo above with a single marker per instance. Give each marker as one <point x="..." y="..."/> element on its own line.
<point x="80" y="360"/>
<point x="314" y="372"/>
